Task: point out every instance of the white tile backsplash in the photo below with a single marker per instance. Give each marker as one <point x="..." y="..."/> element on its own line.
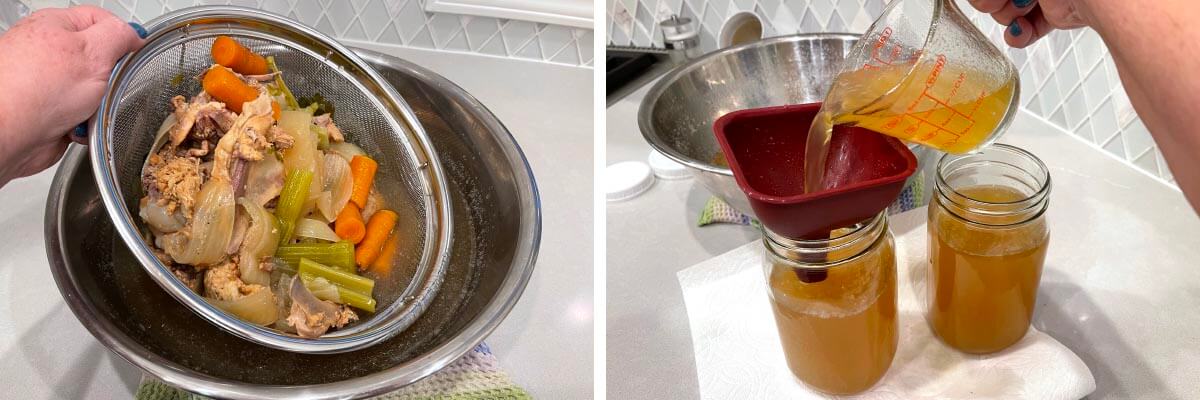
<point x="394" y="22"/>
<point x="1068" y="78"/>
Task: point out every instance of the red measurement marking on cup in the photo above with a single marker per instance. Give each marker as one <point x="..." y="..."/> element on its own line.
<point x="876" y="49"/>
<point x="936" y="115"/>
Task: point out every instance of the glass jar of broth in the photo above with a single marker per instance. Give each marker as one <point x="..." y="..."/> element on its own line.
<point x="835" y="304"/>
<point x="987" y="243"/>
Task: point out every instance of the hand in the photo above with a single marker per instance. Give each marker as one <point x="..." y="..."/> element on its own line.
<point x="1029" y="20"/>
<point x="55" y="66"/>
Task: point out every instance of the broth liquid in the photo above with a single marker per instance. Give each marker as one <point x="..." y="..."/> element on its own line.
<point x="839" y="335"/>
<point x="952" y="109"/>
<point x="983" y="280"/>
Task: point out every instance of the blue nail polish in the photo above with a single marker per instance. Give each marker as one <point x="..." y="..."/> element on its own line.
<point x="139" y="29"/>
<point x="81" y="130"/>
<point x="1014" y="29"/>
<point x="1022" y="3"/>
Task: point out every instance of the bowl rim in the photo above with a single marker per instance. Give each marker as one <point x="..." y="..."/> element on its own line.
<point x="493" y="313"/>
<point x="646" y="123"/>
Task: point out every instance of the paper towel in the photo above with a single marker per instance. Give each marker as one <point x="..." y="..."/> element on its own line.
<point x="738" y="355"/>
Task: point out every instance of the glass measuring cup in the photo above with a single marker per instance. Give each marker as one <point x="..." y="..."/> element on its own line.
<point x="924" y="73"/>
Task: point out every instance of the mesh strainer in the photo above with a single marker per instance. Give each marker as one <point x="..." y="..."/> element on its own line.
<point x="370" y="112"/>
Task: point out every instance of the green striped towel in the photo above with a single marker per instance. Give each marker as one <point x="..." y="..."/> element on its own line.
<point x="475" y="376"/>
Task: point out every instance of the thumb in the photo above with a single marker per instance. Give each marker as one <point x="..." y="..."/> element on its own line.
<point x="108" y="37"/>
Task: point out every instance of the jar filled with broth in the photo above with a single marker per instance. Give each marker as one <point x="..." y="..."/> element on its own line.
<point x="835" y="304"/>
<point x="987" y="243"/>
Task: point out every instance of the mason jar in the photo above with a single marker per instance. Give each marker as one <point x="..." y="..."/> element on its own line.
<point x="835" y="304"/>
<point x="987" y="244"/>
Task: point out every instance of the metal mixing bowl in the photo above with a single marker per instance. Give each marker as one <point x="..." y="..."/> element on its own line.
<point x="676" y="116"/>
<point x="491" y="262"/>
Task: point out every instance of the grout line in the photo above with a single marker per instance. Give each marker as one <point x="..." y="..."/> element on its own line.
<point x="365" y="44"/>
<point x="1110" y="155"/>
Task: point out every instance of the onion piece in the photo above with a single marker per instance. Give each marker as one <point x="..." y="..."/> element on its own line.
<point x="262" y="237"/>
<point x="257" y="308"/>
<point x="339" y="183"/>
<point x="160" y="137"/>
<point x="158" y="218"/>
<point x="283" y="302"/>
<point x="324" y="207"/>
<point x="212" y="225"/>
<point x="241" y="223"/>
<point x="304" y="154"/>
<point x="323" y="289"/>
<point x="310" y="228"/>
<point x="346" y="150"/>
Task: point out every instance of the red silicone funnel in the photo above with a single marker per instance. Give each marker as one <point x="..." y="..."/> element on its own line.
<point x="865" y="170"/>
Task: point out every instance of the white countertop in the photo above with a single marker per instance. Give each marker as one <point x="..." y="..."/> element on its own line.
<point x="1121" y="285"/>
<point x="545" y="343"/>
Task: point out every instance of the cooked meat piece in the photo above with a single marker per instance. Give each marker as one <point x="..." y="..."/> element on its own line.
<point x="281" y="139"/>
<point x="223" y="283"/>
<point x="222" y="116"/>
<point x="326" y="122"/>
<point x="200" y="151"/>
<point x="173" y="243"/>
<point x="252" y="145"/>
<point x="174" y="182"/>
<point x="185" y="116"/>
<point x="246" y="139"/>
<point x="187" y="275"/>
<point x="184" y="273"/>
<point x="212" y="123"/>
<point x="313" y="317"/>
<point x="374" y="203"/>
<point x="263" y="77"/>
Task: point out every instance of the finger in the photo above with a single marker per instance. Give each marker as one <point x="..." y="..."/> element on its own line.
<point x="1026" y="30"/>
<point x="58" y="17"/>
<point x="111" y="38"/>
<point x="1014" y="9"/>
<point x="988" y="6"/>
<point x="84" y="17"/>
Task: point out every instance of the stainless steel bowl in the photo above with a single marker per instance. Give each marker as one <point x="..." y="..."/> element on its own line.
<point x="677" y="115"/>
<point x="491" y="262"/>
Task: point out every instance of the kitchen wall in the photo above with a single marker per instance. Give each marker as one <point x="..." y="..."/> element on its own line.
<point x="1067" y="78"/>
<point x="394" y="22"/>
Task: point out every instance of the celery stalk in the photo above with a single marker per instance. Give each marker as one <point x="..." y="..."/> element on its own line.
<point x="291" y="200"/>
<point x="356" y="299"/>
<point x="287" y="93"/>
<point x="322" y="137"/>
<point x="341" y="278"/>
<point x="320" y="287"/>
<point x="339" y="255"/>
